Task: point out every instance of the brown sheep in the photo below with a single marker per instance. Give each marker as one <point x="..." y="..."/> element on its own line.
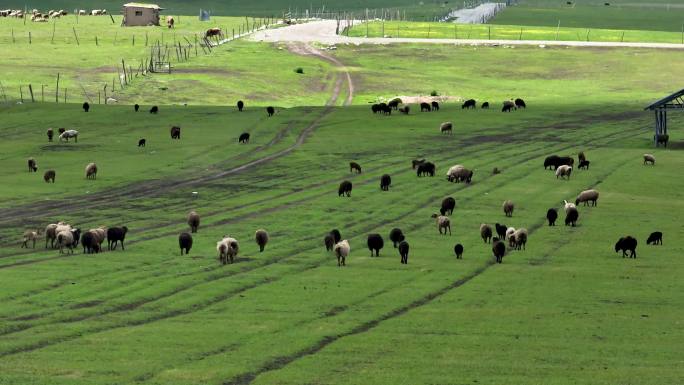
<point x="49" y="176"/>
<point x="193" y="221"/>
<point x="30" y="235"/>
<point x="443" y="222"/>
<point x="91" y="171"/>
<point x="261" y="237"/>
<point x="32" y="165"/>
<point x="486" y="233"/>
<point x="508" y="207"/>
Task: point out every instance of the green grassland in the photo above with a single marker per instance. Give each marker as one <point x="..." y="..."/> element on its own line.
<point x="525" y="31"/>
<point x="566" y="310"/>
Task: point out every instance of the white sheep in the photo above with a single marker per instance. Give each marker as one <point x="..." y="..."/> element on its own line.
<point x="342" y="250"/>
<point x="30" y="235"/>
<point x="69" y="134"/>
<point x="568" y="206"/>
<point x="649" y="158"/>
<point x="65" y="239"/>
<point x="509" y="232"/>
<point x="564" y="171"/>
<point x="518" y="239"/>
<point x="91" y="171"/>
<point x="587" y="196"/>
<point x="228" y="249"/>
<point x="508" y="206"/>
<point x="443" y="222"/>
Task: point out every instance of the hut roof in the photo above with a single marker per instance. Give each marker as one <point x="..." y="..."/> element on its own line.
<point x="673" y="101"/>
<point x="142" y="5"/>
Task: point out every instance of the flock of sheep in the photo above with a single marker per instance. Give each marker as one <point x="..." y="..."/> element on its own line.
<point x="38" y="16"/>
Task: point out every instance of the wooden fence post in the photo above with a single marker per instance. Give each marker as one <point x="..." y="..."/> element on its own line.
<point x="76" y="35"/>
<point x="21" y="94"/>
<point x="57" y="90"/>
<point x="31" y="91"/>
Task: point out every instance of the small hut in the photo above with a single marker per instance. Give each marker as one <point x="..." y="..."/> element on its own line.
<point x="140" y="14"/>
<point x="673" y="102"/>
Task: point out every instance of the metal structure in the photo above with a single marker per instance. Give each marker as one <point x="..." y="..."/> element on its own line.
<point x="660" y="107"/>
<point x="140" y="14"/>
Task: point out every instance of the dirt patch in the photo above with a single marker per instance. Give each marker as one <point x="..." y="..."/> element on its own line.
<point x="68" y="147"/>
<point x="206" y="71"/>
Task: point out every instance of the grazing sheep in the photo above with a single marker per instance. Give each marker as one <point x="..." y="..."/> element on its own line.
<point x="486" y="233"/>
<point x="583" y="164"/>
<point x="470" y="103"/>
<point x="49" y="176"/>
<point x="376" y="108"/>
<point x="655" y="238"/>
<point x="501" y="230"/>
<point x="446" y="127"/>
<point x="448" y="205"/>
<point x="625" y="244"/>
<point x="405" y="110"/>
<point x="154" y="110"/>
<point x="116" y="235"/>
<point x="458" y="250"/>
<point x="385" y="182"/>
<point x="404" y="252"/>
<point x="443" y="222"/>
<point x="66" y="239"/>
<point x="228" y="249"/>
<point x="568" y="206"/>
<point x="170" y="21"/>
<point x="51" y="234"/>
<point x="91" y="171"/>
<point x="459" y="173"/>
<point x="661" y="139"/>
<point x="385" y="109"/>
<point x="485" y="105"/>
<point x="175" y="132"/>
<point x="336" y="235"/>
<point x="565" y="160"/>
<point x="193" y="221"/>
<point x="29" y="235"/>
<point x="396" y="236"/>
<point x="32" y="165"/>
<point x="240" y="105"/>
<point x="353" y="166"/>
<point x="563" y="171"/>
<point x="185" y="242"/>
<point x="261" y="238"/>
<point x="136" y="107"/>
<point x="375" y="243"/>
<point x="394" y="103"/>
<point x="426" y="168"/>
<point x="89" y="242"/>
<point x="496" y="171"/>
<point x="508" y="207"/>
<point x="509" y="232"/>
<point x="425" y="107"/>
<point x="345" y="189"/>
<point x="508" y="106"/>
<point x="244" y="138"/>
<point x="571" y="216"/>
<point x="551" y="161"/>
<point x="519" y="103"/>
<point x="417" y="162"/>
<point x="68" y="134"/>
<point x="342" y="250"/>
<point x="329" y="242"/>
<point x="587" y="196"/>
<point x="435" y="106"/>
<point x="270" y="110"/>
<point x="50" y="134"/>
<point x="551" y="216"/>
<point x="648" y="158"/>
<point x="499" y="250"/>
<point x="519" y="239"/>
<point x="100" y="234"/>
<point x="142" y="142"/>
<point x="86" y="107"/>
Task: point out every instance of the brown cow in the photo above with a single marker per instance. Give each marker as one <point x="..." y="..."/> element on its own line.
<point x="170" y="21"/>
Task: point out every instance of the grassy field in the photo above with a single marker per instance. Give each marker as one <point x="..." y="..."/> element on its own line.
<point x="525" y="31"/>
<point x="568" y="309"/>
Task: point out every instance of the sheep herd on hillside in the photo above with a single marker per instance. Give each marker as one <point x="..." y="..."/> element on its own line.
<point x="42" y="17"/>
<point x="66" y="238"/>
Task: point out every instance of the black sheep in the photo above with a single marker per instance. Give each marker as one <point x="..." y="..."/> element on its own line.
<point x="485" y="105"/>
<point x="185" y="242"/>
<point x="116" y="235"/>
<point x="655" y="238"/>
<point x="270" y="110"/>
<point x="425" y="107"/>
<point x="565" y="160"/>
<point x="458" y="249"/>
<point x="50" y="134"/>
<point x="353" y="166"/>
<point x="329" y="242"/>
<point x="375" y="243"/>
<point x="142" y="142"/>
<point x="551" y="162"/>
<point x="519" y="103"/>
<point x="583" y="164"/>
<point x="396" y="236"/>
<point x="426" y="168"/>
<point x="501" y="230"/>
<point x="136" y="107"/>
<point x="376" y="108"/>
<point x="345" y="189"/>
<point x="175" y="132"/>
<point x="386" y="110"/>
<point x="244" y="138"/>
<point x="499" y="250"/>
<point x="435" y="106"/>
<point x="385" y="182"/>
<point x="404" y="252"/>
<point x="86" y="107"/>
<point x="552" y="215"/>
<point x="154" y="110"/>
<point x="417" y="162"/>
<point x="448" y="205"/>
<point x="470" y="103"/>
<point x="571" y="216"/>
<point x="240" y="105"/>
<point x="336" y="235"/>
<point x="625" y="244"/>
<point x="90" y="244"/>
<point x="394" y="103"/>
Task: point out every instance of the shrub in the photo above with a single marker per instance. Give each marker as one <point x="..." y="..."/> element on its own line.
<point x="434" y="93"/>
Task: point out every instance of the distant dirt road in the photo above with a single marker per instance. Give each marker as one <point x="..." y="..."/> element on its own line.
<point x="324" y="32"/>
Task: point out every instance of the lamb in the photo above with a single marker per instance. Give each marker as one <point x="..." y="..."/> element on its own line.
<point x="587" y="196"/>
<point x="375" y="243"/>
<point x="425" y="107"/>
<point x="519" y="239"/>
<point x="443" y="223"/>
<point x="501" y="230"/>
<point x="551" y="216"/>
<point x="261" y="238"/>
<point x="185" y="243"/>
<point x="336" y="235"/>
<point x="240" y="105"/>
<point x="86" y="107"/>
<point x="228" y="249"/>
<point x="344" y="189"/>
<point x="448" y="205"/>
<point x="486" y="233"/>
<point x="563" y="171"/>
<point x="426" y="168"/>
<point x="508" y="207"/>
<point x="270" y="110"/>
<point x="648" y="158"/>
<point x="91" y="171"/>
<point x="116" y="235"/>
<point x="655" y="238"/>
<point x="470" y="103"/>
<point x="142" y="142"/>
<point x="193" y="221"/>
<point x="661" y="139"/>
<point x="446" y="127"/>
<point x="89" y="242"/>
<point x="571" y="216"/>
<point x="329" y="242"/>
<point x="353" y="166"/>
<point x="29" y="235"/>
<point x="499" y="250"/>
<point x="385" y="182"/>
<point x="519" y="103"/>
<point x="175" y="132"/>
<point x="435" y="106"/>
<point x="342" y="251"/>
<point x="508" y="106"/>
<point x="417" y="162"/>
<point x="244" y="138"/>
<point x="32" y="165"/>
<point x="584" y="164"/>
<point x="625" y="244"/>
<point x="509" y="233"/>
<point x="67" y="134"/>
<point x="404" y="252"/>
<point x="458" y="250"/>
<point x="396" y="236"/>
<point x="154" y="110"/>
<point x="50" y="134"/>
